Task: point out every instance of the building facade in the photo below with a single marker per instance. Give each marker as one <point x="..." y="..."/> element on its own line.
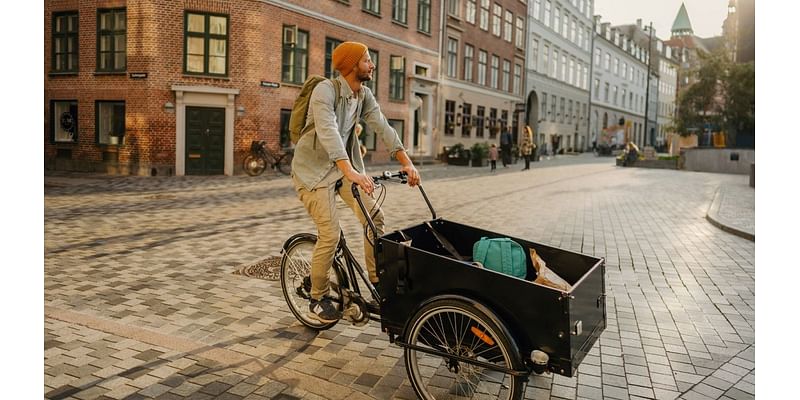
<point x="558" y="70"/>
<point x="618" y="87"/>
<point x="483" y="59"/>
<point x="668" y="65"/>
<point x="163" y="88"/>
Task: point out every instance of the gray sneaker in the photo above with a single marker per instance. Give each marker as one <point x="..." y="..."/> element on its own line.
<point x="324" y="310"/>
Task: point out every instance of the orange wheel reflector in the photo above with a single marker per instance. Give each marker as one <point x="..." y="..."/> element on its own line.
<point x="482" y="336"/>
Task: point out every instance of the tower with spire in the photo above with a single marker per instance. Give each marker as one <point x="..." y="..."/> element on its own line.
<point x="682" y="26"/>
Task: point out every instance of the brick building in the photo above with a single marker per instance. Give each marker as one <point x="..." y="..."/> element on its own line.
<point x="183" y="87"/>
<point x="483" y="64"/>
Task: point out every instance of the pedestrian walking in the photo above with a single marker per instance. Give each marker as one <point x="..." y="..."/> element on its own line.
<point x="493" y="156"/>
<point x="327" y="161"/>
<point x="505" y="147"/>
<point x="526" y="151"/>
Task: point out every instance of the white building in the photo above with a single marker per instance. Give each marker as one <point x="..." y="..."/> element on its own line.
<point x="557" y="71"/>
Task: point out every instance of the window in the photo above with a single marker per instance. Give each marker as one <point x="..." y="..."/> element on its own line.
<point x="534" y="55"/>
<point x="543" y="117"/>
<point x="206" y="44"/>
<point x="520" y="42"/>
<point x="608" y="62"/>
<point x="573" y="31"/>
<point x="482" y="59"/>
<point x="484" y="23"/>
<point x="506" y="75"/>
<point x="537" y="9"/>
<point x="466" y="120"/>
<point x="546" y="57"/>
<point x="496" y="16"/>
<point x="605" y="92"/>
<point x="64" y="121"/>
<point x="624" y="70"/>
<point x="400" y="11"/>
<point x="553" y="108"/>
<point x="449" y="117"/>
<point x="561" y="110"/>
<point x="517" y="79"/>
<point x="452" y="57"/>
<point x="570" y="114"/>
<point x="424" y="16"/>
<point x="597" y="55"/>
<point x="623" y="98"/>
<point x="111" y="40"/>
<point x="454" y="7"/>
<point x="399" y="127"/>
<point x="285" y="139"/>
<point x="373" y="6"/>
<point x="596" y="88"/>
<point x="65" y="42"/>
<point x="479" y="121"/>
<point x="508" y="28"/>
<point x="554" y="62"/>
<point x="615" y="94"/>
<point x="580" y="37"/>
<point x="547" y="6"/>
<point x="368" y="137"/>
<point x="571" y="73"/>
<point x="471" y="8"/>
<point x="493" y="128"/>
<point x="563" y="67"/>
<point x="468" y="56"/>
<point x="330" y="45"/>
<point x="503" y="119"/>
<point x="616" y="66"/>
<point x="397" y="77"/>
<point x="557" y="20"/>
<point x="373" y="83"/>
<point x="493" y="82"/>
<point x="110" y="120"/>
<point x="565" y="25"/>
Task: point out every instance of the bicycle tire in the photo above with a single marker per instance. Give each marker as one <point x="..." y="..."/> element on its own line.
<point x="460" y="328"/>
<point x="295" y="268"/>
<point x="285" y="163"/>
<point x="254" y="165"/>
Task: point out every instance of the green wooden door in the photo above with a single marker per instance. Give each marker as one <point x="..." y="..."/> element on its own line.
<point x="205" y="141"/>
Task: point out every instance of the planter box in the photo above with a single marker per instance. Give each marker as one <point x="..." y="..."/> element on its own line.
<point x="480" y="163"/>
<point x="657" y="164"/>
<point x="458" y="161"/>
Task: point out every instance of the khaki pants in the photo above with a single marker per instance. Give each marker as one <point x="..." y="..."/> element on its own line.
<point x="321" y="206"/>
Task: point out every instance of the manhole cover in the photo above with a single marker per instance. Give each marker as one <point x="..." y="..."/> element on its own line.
<point x="268" y="269"/>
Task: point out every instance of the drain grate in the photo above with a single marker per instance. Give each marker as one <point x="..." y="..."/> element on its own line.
<point x="268" y="268"/>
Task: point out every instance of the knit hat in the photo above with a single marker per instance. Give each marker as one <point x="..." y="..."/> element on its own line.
<point x="347" y="55"/>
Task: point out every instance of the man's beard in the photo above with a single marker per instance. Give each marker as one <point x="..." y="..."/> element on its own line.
<point x="364" y="77"/>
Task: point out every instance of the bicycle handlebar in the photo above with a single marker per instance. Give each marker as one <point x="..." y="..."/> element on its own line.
<point x="385" y="176"/>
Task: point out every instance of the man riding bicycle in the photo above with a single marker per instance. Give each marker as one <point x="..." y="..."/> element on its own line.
<point x="327" y="161"/>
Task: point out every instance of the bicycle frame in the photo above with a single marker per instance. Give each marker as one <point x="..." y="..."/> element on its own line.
<point x="353" y="270"/>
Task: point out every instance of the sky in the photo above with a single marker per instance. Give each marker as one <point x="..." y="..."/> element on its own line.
<point x="706" y="16"/>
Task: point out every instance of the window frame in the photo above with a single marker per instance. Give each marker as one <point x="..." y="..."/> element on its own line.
<point x="330" y="44"/>
<point x="295" y="49"/>
<point x="480" y="120"/>
<point x="483" y="55"/>
<point x="400" y="9"/>
<point x="508" y="26"/>
<point x="469" y="57"/>
<point x="76" y="126"/>
<point x="397" y="78"/>
<point x="67" y="36"/>
<point x="207" y="36"/>
<point x="471" y="11"/>
<point x="452" y="57"/>
<point x="424" y="16"/>
<point x="98" y="136"/>
<point x="371" y="6"/>
<point x="113" y="33"/>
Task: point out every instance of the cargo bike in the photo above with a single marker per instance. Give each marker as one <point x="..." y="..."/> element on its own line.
<point x="467" y="332"/>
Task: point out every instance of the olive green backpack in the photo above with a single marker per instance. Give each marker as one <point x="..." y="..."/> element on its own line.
<point x="297" y="121"/>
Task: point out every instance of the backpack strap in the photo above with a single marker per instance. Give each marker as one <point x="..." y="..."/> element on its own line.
<point x="480" y="253"/>
<point x="337" y="88"/>
<point x="505" y="255"/>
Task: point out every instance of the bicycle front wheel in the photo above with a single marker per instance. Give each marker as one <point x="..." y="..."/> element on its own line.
<point x="254" y="165"/>
<point x="296" y="281"/>
<point x="285" y="163"/>
<point x="459" y="328"/>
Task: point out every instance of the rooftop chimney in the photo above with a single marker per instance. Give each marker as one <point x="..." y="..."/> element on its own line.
<point x="639" y="23"/>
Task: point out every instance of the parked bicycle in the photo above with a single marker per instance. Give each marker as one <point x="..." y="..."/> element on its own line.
<point x="261" y="157"/>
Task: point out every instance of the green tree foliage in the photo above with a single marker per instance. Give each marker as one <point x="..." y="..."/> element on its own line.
<point x="723" y="95"/>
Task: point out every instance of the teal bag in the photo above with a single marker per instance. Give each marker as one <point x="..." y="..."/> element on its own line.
<point x="502" y="255"/>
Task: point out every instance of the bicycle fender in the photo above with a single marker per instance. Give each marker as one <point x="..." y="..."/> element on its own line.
<point x="295" y="237"/>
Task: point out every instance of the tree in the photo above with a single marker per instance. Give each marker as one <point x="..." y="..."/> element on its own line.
<point x="723" y="96"/>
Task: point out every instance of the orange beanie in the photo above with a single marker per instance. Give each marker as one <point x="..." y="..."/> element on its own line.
<point x="347" y="55"/>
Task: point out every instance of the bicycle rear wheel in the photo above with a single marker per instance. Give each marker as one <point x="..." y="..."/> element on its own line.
<point x="296" y="281"/>
<point x="459" y="328"/>
<point x="254" y="165"/>
<point x="285" y="163"/>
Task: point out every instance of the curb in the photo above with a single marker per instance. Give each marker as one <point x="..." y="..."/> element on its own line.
<point x="713" y="217"/>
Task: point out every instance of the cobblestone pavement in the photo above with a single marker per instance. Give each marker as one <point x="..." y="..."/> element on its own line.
<point x="141" y="300"/>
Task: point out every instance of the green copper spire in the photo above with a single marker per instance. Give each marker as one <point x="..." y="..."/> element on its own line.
<point x="682" y="26"/>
